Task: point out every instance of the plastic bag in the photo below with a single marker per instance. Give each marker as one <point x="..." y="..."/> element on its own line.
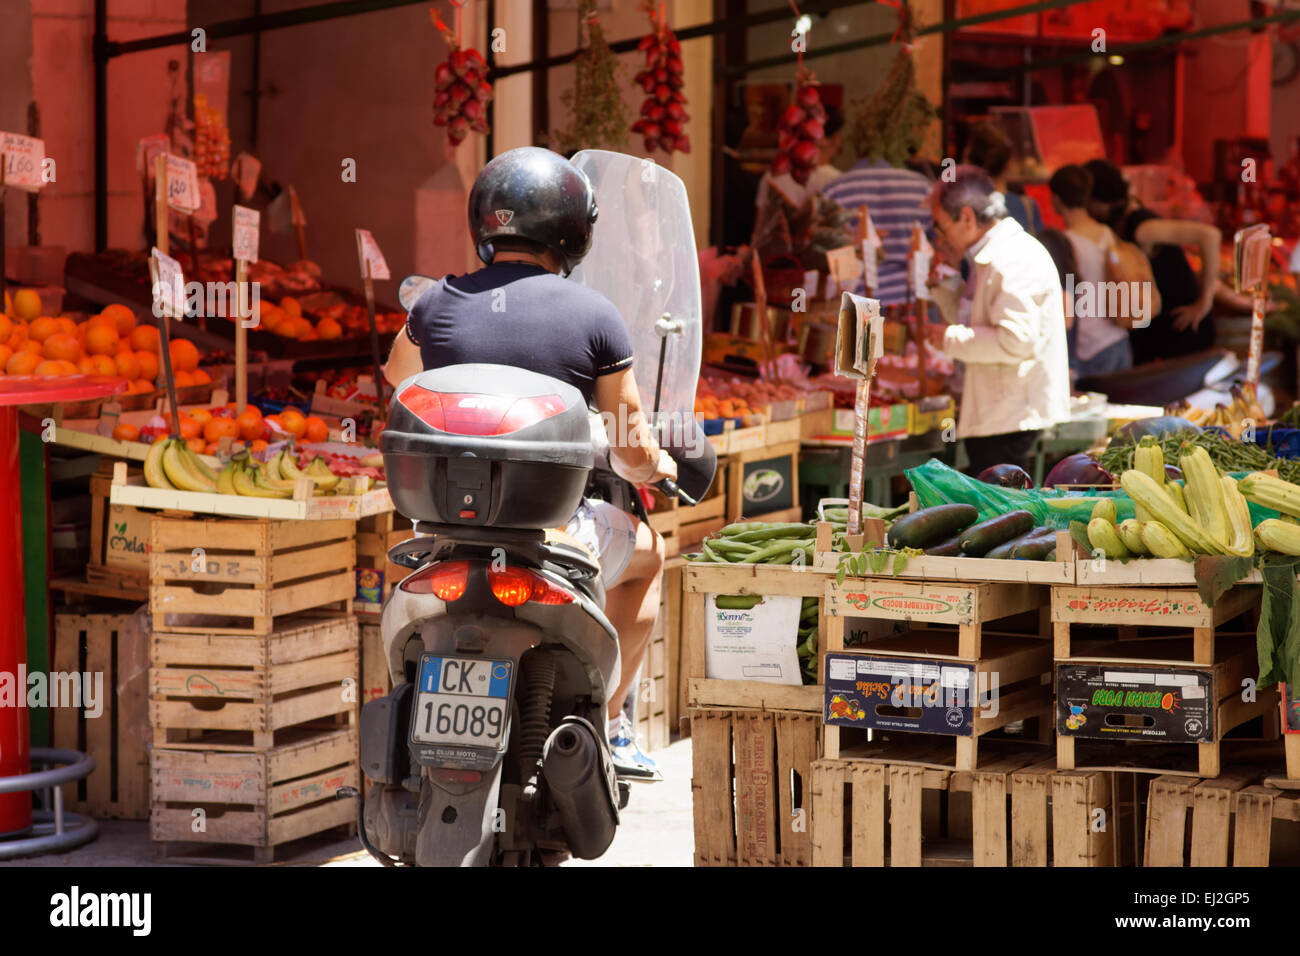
<point x="937" y="484"/>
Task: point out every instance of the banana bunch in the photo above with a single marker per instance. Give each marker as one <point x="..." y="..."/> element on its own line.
<point x="171" y="464"/>
<point x="1245" y="408"/>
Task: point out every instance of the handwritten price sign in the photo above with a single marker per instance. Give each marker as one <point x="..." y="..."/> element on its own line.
<point x="24" y="158"/>
<point x="246" y="225"/>
<point x="368" y="252"/>
<point x="169" y="285"/>
<point x="182" y="185"/>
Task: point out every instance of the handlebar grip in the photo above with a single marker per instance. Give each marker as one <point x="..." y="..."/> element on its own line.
<point x="670" y="489"/>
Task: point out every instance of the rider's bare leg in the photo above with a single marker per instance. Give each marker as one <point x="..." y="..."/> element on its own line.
<point x="632" y="605"/>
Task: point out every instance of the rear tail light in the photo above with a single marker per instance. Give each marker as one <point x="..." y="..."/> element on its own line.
<point x="466" y="413"/>
<point x="447" y="581"/>
<point x="516" y="586"/>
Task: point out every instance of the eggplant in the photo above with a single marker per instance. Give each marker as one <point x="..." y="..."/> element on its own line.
<point x="1173" y="473"/>
<point x="1006" y="476"/>
<point x="1157" y="427"/>
<point x="1080" y="469"/>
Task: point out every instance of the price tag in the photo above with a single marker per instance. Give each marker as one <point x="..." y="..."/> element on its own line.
<point x="207" y="211"/>
<point x="24" y="158"/>
<point x="168" y="284"/>
<point x="147" y="149"/>
<point x="246" y="170"/>
<point x="1252" y="247"/>
<point x="368" y="251"/>
<point x="843" y="264"/>
<point x="245" y="232"/>
<point x="182" y="185"/>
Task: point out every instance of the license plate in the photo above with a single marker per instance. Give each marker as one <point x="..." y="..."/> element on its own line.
<point x="462" y="702"/>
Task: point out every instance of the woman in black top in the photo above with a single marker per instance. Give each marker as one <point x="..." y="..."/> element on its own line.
<point x="1182" y="327"/>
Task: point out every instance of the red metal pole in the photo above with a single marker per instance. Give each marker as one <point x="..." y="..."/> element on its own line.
<point x="15" y="739"/>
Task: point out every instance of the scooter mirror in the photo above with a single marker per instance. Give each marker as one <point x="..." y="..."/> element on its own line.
<point x="412" y="287"/>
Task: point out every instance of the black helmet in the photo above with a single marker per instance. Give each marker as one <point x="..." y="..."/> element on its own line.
<point x="534" y="194"/>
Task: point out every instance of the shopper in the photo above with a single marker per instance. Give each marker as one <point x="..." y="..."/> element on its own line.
<point x="516" y="311"/>
<point x="1099" y="343"/>
<point x="1013" y="350"/>
<point x="989" y="148"/>
<point x="895" y="199"/>
<point x="828" y="147"/>
<point x="1181" y="326"/>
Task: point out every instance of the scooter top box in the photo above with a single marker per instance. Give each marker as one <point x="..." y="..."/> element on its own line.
<point x="487" y="445"/>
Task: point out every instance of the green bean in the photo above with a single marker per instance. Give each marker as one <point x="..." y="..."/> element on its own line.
<point x="736" y="602"/>
<point x="784" y="546"/>
<point x="775" y="531"/>
<point x="712" y="556"/>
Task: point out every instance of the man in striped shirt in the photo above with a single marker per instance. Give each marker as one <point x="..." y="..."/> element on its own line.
<point x="895" y="198"/>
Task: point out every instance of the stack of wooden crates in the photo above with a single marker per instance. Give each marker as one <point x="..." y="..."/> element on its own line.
<point x="253" y="684"/>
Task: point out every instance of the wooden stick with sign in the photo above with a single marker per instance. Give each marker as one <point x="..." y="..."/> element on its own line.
<point x="765" y="371"/>
<point x="373" y="267"/>
<point x="162" y="239"/>
<point x="168" y="283"/>
<point x="299" y="222"/>
<point x="1252" y="250"/>
<point x="916" y="305"/>
<point x="858" y="344"/>
<point x="244" y="245"/>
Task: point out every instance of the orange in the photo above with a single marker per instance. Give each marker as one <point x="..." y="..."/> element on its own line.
<point x="125" y="432"/>
<point x="121" y="315"/>
<point x="86" y="365"/>
<point x="329" y="329"/>
<point x="197" y="445"/>
<point x="184" y="355"/>
<point x="6" y="353"/>
<point x="27" y="304"/>
<point x="51" y="368"/>
<point x="276" y="421"/>
<point x="257" y="446"/>
<point x="317" y="430"/>
<point x="144" y="338"/>
<point x="66" y="325"/>
<point x="43" y="328"/>
<point x="102" y="319"/>
<point x="104" y="365"/>
<point x="201" y="377"/>
<point x="290" y="304"/>
<point x="148" y="364"/>
<point x="268" y="318"/>
<point x="189" y="427"/>
<point x="7" y="326"/>
<point x="140" y="387"/>
<point x="200" y="415"/>
<point x="250" y="423"/>
<point x="219" y="428"/>
<point x="293" y="421"/>
<point x="31" y="345"/>
<point x="101" y="339"/>
<point x="307" y="333"/>
<point x="286" y="328"/>
<point x="61" y="345"/>
<point x="182" y="378"/>
<point x="21" y="363"/>
<point x="128" y="366"/>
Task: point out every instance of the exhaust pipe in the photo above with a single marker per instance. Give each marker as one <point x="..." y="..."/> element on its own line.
<point x="580" y="780"/>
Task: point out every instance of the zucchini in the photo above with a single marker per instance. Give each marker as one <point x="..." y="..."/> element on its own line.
<point x="1104" y="508"/>
<point x="1035" y="548"/>
<point x="930" y="526"/>
<point x="980" y="539"/>
<point x="736" y="602"/>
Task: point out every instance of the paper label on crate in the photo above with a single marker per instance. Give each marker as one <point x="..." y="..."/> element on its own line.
<point x="245" y="171"/>
<point x="246" y="225"/>
<point x="758" y="643"/>
<point x="24" y="161"/>
<point x="1102" y="702"/>
<point x="884" y="693"/>
<point x="368" y="253"/>
<point x="168" y="284"/>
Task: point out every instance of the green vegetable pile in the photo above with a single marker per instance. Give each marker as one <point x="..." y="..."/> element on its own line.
<point x="1228" y="454"/>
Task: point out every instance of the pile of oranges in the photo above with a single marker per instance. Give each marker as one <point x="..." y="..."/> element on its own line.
<point x="287" y="321"/>
<point x="203" y="428"/>
<point x="109" y="343"/>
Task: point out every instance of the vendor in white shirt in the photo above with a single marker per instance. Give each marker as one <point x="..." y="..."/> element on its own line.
<point x="828" y="147"/>
<point x="1017" y="379"/>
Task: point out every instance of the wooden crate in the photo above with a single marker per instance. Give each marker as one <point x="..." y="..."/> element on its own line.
<point x="113" y="646"/>
<point x="119" y="540"/>
<point x="375" y="680"/>
<point x="1156" y="630"/>
<point x="237" y="576"/>
<point x="749" y="498"/>
<point x="372" y="554"/>
<point x="1018" y="811"/>
<point x="1235" y="819"/>
<point x="750" y="781"/>
<point x="251" y="802"/>
<point x="949" y="621"/>
<point x="232" y="692"/>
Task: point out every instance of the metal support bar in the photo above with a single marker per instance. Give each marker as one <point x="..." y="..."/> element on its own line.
<point x="100" y="47"/>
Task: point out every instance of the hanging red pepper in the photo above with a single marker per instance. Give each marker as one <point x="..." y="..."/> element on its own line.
<point x="663" y="114"/>
<point x="800" y="131"/>
<point x="462" y="90"/>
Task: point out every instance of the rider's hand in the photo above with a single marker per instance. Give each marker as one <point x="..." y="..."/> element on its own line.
<point x="666" y="468"/>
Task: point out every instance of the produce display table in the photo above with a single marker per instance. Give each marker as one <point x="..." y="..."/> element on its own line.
<point x="15" y="808"/>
